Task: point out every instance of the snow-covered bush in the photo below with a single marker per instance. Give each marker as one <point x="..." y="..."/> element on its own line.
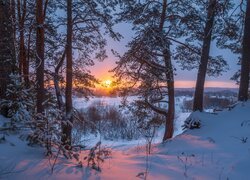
<point x="19" y="102"/>
<point x="193" y="121"/>
<point x="46" y="128"/>
<point x="97" y="155"/>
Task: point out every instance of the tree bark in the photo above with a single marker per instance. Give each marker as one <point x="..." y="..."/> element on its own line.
<point x="29" y="49"/>
<point x="202" y="71"/>
<point x="59" y="97"/>
<point x="40" y="56"/>
<point x="66" y="126"/>
<point x="169" y="127"/>
<point x="13" y="14"/>
<point x="23" y="63"/>
<point x="245" y="64"/>
<point x="169" y="124"/>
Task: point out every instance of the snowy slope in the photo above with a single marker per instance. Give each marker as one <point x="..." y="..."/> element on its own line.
<point x="219" y="150"/>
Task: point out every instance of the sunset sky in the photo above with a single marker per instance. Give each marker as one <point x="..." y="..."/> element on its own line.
<point x="183" y="78"/>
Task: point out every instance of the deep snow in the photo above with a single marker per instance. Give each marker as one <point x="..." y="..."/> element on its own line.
<point x="220" y="149"/>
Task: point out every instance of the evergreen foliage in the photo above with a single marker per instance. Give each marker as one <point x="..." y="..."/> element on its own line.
<point x="19" y="101"/>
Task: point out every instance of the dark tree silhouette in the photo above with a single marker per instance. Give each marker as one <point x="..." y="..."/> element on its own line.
<point x="147" y="66"/>
<point x="245" y="63"/>
<point x="7" y="47"/>
<point x="67" y="124"/>
<point x="203" y="28"/>
<point x="40" y="17"/>
<point x="202" y="71"/>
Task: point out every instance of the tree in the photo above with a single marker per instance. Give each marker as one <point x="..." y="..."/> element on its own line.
<point x="200" y="82"/>
<point x="202" y="30"/>
<point x="67" y="125"/>
<point x="147" y="67"/>
<point x="40" y="16"/>
<point x="245" y="63"/>
<point x="23" y="65"/>
<point x="24" y="23"/>
<point x="86" y="22"/>
<point x="7" y="47"/>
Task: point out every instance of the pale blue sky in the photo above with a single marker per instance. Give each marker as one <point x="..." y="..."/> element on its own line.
<point x="101" y="69"/>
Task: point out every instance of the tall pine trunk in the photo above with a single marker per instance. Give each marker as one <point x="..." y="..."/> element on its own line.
<point x="40" y="56"/>
<point x="13" y="16"/>
<point x="29" y="50"/>
<point x="23" y="64"/>
<point x="244" y="78"/>
<point x="66" y="127"/>
<point x="202" y="71"/>
<point x="169" y="124"/>
<point x="61" y="104"/>
<point x="7" y="47"/>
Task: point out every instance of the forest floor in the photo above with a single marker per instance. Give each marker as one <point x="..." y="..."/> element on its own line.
<point x="220" y="149"/>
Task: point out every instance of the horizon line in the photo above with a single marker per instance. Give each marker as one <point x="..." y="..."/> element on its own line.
<point x="208" y="84"/>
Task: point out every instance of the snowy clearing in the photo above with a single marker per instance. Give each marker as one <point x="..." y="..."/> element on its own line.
<point x="220" y="149"/>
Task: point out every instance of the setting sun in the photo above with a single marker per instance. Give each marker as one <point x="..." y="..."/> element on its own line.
<point x="107" y="83"/>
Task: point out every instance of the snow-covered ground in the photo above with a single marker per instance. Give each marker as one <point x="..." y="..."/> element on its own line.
<point x="220" y="149"/>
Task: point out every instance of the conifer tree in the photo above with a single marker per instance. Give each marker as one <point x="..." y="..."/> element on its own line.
<point x="147" y="66"/>
<point x="7" y="47"/>
<point x="40" y="17"/>
<point x="245" y="63"/>
<point x="86" y="22"/>
<point x="203" y="29"/>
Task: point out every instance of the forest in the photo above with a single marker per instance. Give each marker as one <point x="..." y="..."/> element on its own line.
<point x="51" y="102"/>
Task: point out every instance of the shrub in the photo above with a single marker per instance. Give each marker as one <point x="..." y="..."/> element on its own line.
<point x="193" y="121"/>
<point x="109" y="121"/>
<point x="96" y="156"/>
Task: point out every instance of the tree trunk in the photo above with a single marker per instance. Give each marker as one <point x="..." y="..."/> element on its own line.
<point x="40" y="56"/>
<point x="28" y="51"/>
<point x="25" y="60"/>
<point x="169" y="124"/>
<point x="169" y="127"/>
<point x="7" y="47"/>
<point x="23" y="64"/>
<point x="66" y="127"/>
<point x="199" y="88"/>
<point x="13" y="14"/>
<point x="61" y="104"/>
<point x="244" y="78"/>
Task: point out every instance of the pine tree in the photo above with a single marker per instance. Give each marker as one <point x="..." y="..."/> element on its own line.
<point x="41" y="8"/>
<point x="147" y="65"/>
<point x="67" y="125"/>
<point x="202" y="29"/>
<point x="23" y="66"/>
<point x="202" y="71"/>
<point x="245" y="64"/>
<point x="85" y="23"/>
<point x="7" y="48"/>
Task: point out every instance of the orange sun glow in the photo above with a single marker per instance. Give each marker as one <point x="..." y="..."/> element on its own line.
<point x="107" y="83"/>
